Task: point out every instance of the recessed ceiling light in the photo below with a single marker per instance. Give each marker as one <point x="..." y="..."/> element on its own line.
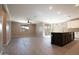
<point x="50" y="7"/>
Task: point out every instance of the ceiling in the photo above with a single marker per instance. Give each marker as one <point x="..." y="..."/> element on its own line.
<point x="49" y="13"/>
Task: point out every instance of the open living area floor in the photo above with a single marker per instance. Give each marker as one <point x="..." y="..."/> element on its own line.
<point x="39" y="46"/>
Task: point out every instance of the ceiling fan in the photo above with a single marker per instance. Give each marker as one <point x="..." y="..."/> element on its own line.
<point x="28" y="22"/>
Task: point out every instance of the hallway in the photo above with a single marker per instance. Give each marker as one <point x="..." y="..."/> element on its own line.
<point x="39" y="46"/>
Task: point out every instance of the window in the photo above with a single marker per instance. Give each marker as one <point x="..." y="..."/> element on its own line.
<point x="24" y="28"/>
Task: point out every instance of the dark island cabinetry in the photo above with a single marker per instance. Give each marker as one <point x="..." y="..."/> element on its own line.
<point x="61" y="39"/>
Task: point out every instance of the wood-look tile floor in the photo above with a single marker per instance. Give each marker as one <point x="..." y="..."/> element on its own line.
<point x="39" y="46"/>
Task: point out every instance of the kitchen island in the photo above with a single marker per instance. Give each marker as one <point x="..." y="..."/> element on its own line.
<point x="61" y="38"/>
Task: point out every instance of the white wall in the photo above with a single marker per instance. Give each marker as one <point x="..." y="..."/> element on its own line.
<point x="40" y="29"/>
<point x="60" y="27"/>
<point x="76" y="34"/>
<point x="73" y="26"/>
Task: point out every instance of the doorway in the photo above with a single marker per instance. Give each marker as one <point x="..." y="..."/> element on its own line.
<point x="47" y="30"/>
